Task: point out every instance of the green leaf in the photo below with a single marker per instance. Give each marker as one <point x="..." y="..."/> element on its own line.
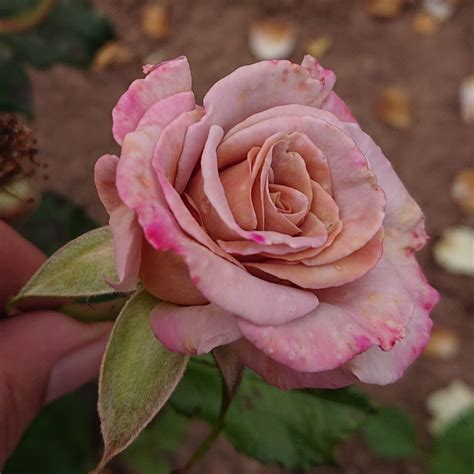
<point x="137" y="377"/>
<point x="297" y="429"/>
<point x="391" y="433"/>
<point x="76" y="270"/>
<point x="149" y="454"/>
<point x="70" y="34"/>
<point x="55" y="222"/>
<point x="15" y="86"/>
<point x="94" y="311"/>
<point x="59" y="441"/>
<point x="453" y="451"/>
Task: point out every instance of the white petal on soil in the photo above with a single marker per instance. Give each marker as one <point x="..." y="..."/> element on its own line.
<point x="447" y="404"/>
<point x="455" y="250"/>
<point x="272" y="39"/>
<point x="466" y="99"/>
<point x="441" y="9"/>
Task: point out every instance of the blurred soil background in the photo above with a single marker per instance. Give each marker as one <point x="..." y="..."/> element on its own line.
<point x="73" y="127"/>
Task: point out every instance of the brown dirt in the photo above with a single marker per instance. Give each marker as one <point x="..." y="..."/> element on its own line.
<point x="73" y="127"/>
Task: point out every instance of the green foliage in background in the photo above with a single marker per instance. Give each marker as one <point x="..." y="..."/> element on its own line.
<point x="41" y="33"/>
<point x="298" y="428"/>
<point x="150" y="453"/>
<point x="391" y="433"/>
<point x="56" y="222"/>
<point x="60" y="440"/>
<point x="453" y="452"/>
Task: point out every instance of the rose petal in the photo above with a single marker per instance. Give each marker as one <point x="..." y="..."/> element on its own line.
<point x="245" y="247"/>
<point x="403" y="217"/>
<point x="338" y="273"/>
<point x="136" y="182"/>
<point x="187" y="222"/>
<point x="326" y="77"/>
<point x="337" y="106"/>
<point x="166" y="276"/>
<point x="373" y="310"/>
<point x="250" y="89"/>
<point x="126" y="233"/>
<point x="261" y="86"/>
<point x="166" y="79"/>
<point x="324" y="207"/>
<point x="193" y="329"/>
<point x="214" y="191"/>
<point x="379" y="367"/>
<point x="361" y="202"/>
<point x="376" y="366"/>
<point x="289" y="169"/>
<point x="285" y="378"/>
<point x="224" y="284"/>
<point x="316" y="162"/>
<point x="237" y="185"/>
<point x="192" y="150"/>
<point x="164" y="111"/>
<point x="167" y="152"/>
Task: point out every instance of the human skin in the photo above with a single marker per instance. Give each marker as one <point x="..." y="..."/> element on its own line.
<point x="43" y="354"/>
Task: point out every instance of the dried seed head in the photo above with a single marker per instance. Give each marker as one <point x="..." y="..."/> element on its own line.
<point x="17" y="149"/>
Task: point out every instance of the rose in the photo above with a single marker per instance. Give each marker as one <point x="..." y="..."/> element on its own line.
<point x="267" y="220"/>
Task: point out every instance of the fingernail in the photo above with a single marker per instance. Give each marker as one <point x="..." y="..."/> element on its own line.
<point x="76" y="368"/>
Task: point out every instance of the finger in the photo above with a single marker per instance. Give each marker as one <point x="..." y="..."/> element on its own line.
<point x="19" y="259"/>
<point x="43" y="355"/>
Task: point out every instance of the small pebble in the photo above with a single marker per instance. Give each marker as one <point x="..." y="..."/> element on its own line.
<point x="455" y="250"/>
<point x="272" y="39"/>
<point x="462" y="190"/>
<point x="393" y="108"/>
<point x="447" y="404"/>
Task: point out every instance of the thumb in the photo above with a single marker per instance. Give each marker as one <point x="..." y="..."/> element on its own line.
<point x="43" y="355"/>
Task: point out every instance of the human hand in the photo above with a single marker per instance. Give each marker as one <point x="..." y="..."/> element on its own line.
<point x="43" y="354"/>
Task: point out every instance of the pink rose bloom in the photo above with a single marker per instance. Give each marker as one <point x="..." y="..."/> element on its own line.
<point x="268" y="220"/>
